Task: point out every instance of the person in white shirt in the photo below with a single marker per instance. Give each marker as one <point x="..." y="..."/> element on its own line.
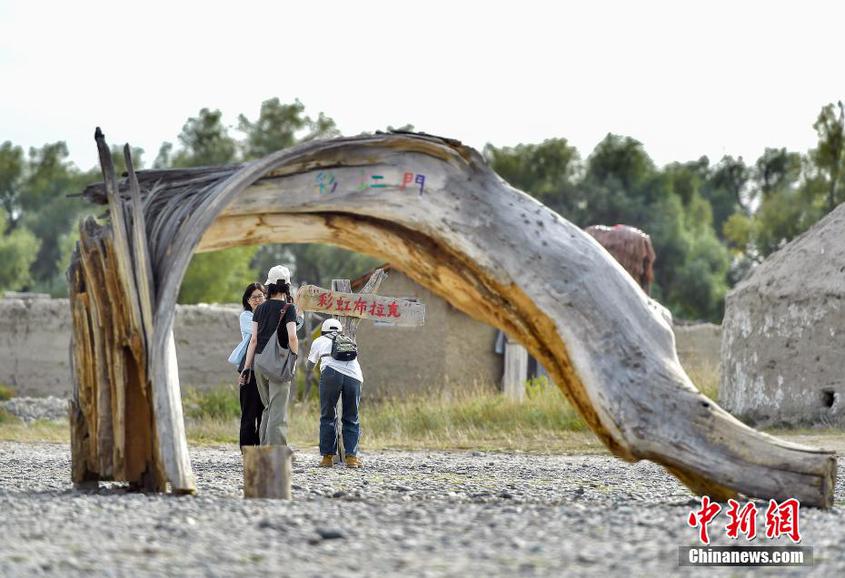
<point x="338" y="380"/>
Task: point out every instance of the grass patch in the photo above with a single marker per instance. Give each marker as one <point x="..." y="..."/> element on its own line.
<point x="14" y="430"/>
<point x="6" y="392"/>
<point x="468" y="418"/>
<point x="458" y="419"/>
<point x="220" y="403"/>
<point x="706" y="379"/>
<point x="6" y="417"/>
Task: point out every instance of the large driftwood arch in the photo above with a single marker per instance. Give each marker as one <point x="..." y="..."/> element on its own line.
<point x="435" y="210"/>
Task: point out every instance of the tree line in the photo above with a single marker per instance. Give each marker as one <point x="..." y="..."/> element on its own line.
<point x="710" y="222"/>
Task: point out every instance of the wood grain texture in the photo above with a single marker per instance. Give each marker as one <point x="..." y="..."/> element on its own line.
<point x="516" y="371"/>
<point x="370" y="287"/>
<point x="112" y="425"/>
<point x="267" y="472"/>
<point x="434" y="209"/>
<point x="401" y="312"/>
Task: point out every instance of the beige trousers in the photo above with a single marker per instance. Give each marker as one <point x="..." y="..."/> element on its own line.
<point x="273" y="430"/>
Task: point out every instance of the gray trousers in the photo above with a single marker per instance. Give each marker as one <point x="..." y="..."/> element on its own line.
<point x="273" y="430"/>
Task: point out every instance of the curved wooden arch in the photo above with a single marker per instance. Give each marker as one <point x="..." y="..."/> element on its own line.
<point x="436" y="211"/>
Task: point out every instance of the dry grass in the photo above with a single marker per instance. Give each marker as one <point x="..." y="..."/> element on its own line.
<point x="458" y="419"/>
<point x="462" y="419"/>
<point x="6" y="392"/>
<point x="471" y="419"/>
<point x="14" y="430"/>
<point x="706" y="379"/>
<point x="466" y="419"/>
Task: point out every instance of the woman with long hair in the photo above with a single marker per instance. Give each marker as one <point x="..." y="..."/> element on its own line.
<point x="251" y="406"/>
<point x="277" y="314"/>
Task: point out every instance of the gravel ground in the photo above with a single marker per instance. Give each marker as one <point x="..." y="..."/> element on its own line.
<point x="404" y="513"/>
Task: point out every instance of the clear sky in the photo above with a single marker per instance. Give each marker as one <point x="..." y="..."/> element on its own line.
<point x="684" y="78"/>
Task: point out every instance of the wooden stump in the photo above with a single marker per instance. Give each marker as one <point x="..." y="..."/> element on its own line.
<point x="267" y="472"/>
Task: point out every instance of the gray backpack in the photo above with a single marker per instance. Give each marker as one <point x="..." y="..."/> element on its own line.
<point x="276" y="362"/>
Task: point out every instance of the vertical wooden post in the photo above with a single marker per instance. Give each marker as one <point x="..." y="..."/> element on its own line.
<point x="267" y="472"/>
<point x="344" y="285"/>
<point x="306" y="390"/>
<point x="516" y="370"/>
<point x="350" y="328"/>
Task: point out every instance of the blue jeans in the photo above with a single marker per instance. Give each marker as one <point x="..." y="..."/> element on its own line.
<point x="333" y="386"/>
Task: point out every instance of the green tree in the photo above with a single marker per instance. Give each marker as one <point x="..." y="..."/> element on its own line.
<point x="48" y="211"/>
<point x="622" y="185"/>
<point x="119" y="160"/>
<point x="620" y="160"/>
<point x="725" y="188"/>
<point x="829" y="156"/>
<point x="775" y="170"/>
<point x="547" y="170"/>
<point x="164" y="158"/>
<point x="780" y="218"/>
<point x="315" y="263"/>
<point x="205" y="142"/>
<point x="619" y="184"/>
<point x="407" y="127"/>
<point x="11" y="174"/>
<point x="787" y="204"/>
<point x="280" y="126"/>
<point x="218" y="276"/>
<point x="687" y="179"/>
<point x="67" y="243"/>
<point x="18" y="250"/>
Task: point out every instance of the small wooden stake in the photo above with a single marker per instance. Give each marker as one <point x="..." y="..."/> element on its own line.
<point x="267" y="472"/>
<point x="516" y="371"/>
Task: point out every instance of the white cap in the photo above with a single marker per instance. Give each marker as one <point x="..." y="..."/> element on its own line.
<point x="276" y="273"/>
<point x="330" y="325"/>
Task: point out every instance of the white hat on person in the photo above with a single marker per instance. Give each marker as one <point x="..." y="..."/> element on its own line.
<point x="331" y="325"/>
<point x="276" y="273"/>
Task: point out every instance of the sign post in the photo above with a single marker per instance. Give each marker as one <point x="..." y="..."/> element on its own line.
<point x="342" y="303"/>
<point x="350" y="308"/>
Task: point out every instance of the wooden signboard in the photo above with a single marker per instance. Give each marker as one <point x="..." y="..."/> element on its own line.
<point x="400" y="312"/>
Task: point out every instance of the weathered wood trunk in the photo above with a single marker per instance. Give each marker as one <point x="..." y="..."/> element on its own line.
<point x="267" y="472"/>
<point x="112" y="428"/>
<point x="114" y="422"/>
<point x="435" y="211"/>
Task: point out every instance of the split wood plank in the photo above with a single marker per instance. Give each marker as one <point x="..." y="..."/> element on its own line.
<point x="401" y="312"/>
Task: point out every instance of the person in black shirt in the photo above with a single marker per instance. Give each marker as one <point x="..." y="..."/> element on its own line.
<point x="251" y="406"/>
<point x="265" y="320"/>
